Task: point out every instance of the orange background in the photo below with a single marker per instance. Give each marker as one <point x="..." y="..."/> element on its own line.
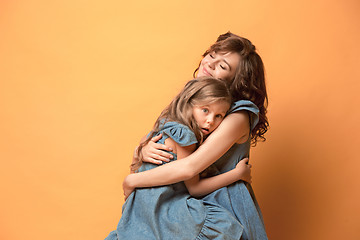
<point x="83" y="81"/>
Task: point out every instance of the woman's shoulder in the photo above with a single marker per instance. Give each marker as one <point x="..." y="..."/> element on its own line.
<point x="244" y="105"/>
<point x="180" y="133"/>
<point x="249" y="107"/>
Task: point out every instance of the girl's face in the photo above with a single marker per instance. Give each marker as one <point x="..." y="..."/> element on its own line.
<point x="219" y="65"/>
<point x="209" y="116"/>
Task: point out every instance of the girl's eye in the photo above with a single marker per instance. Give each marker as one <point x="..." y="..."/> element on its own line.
<point x="219" y="116"/>
<point x="212" y="56"/>
<point x="205" y="110"/>
<point x="222" y="67"/>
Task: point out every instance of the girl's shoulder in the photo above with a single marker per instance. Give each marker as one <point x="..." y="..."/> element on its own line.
<point x="180" y="133"/>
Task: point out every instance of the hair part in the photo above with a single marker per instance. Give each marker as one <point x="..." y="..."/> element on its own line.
<point x="199" y="91"/>
<point x="249" y="80"/>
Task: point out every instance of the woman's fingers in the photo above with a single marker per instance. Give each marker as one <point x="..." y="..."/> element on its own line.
<point x="156" y="138"/>
<point x="155" y="153"/>
<point x="156" y="159"/>
<point x="164" y="155"/>
<point x="161" y="156"/>
<point x="153" y="160"/>
<point x="160" y="146"/>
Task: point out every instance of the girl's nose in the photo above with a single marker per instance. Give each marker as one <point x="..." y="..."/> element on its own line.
<point x="210" y="120"/>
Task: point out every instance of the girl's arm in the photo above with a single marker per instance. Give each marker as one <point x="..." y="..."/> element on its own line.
<point x="197" y="186"/>
<point x="234" y="128"/>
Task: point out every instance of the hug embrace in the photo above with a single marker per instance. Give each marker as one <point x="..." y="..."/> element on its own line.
<point x="190" y="176"/>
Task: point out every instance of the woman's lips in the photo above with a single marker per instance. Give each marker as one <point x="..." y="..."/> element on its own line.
<point x="206" y="72"/>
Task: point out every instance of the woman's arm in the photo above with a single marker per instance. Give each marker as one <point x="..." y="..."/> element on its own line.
<point x="234" y="127"/>
<point x="152" y="151"/>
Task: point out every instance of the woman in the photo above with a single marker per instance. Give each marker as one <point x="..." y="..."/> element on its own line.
<point x="232" y="59"/>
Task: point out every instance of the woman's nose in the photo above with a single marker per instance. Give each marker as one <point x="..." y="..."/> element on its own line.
<point x="211" y="64"/>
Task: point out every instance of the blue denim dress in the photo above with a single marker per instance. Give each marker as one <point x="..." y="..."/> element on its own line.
<point x="238" y="198"/>
<point x="169" y="212"/>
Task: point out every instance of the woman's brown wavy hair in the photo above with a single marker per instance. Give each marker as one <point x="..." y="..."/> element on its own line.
<point x="249" y="81"/>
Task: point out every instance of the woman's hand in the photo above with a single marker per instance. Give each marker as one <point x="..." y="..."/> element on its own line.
<point x="127" y="188"/>
<point x="154" y="152"/>
<point x="244" y="170"/>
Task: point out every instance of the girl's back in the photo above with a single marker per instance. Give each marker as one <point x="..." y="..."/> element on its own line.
<point x="168" y="212"/>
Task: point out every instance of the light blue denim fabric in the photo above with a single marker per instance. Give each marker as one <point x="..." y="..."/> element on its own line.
<point x="169" y="212"/>
<point x="239" y="198"/>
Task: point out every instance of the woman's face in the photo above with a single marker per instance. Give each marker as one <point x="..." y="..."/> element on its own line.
<point x="219" y="65"/>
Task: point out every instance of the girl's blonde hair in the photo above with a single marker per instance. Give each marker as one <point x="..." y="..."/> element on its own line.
<point x="199" y="91"/>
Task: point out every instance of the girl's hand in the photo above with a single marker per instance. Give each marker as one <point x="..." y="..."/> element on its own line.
<point x="244" y="170"/>
<point x="127" y="188"/>
<point x="153" y="152"/>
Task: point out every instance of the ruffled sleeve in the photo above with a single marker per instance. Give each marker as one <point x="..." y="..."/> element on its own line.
<point x="179" y="133"/>
<point x="250" y="107"/>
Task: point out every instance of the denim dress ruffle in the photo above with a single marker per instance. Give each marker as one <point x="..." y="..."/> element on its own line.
<point x="169" y="212"/>
<point x="238" y="198"/>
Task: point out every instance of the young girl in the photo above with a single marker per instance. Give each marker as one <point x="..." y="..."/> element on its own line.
<point x="153" y="213"/>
